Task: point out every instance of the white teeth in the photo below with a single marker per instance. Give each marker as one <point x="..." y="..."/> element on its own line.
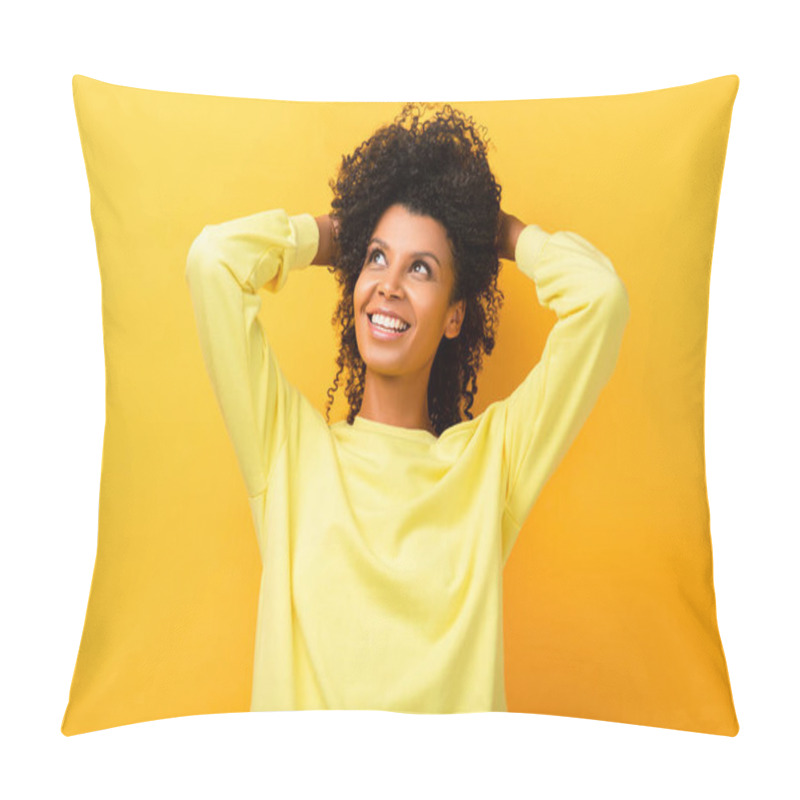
<point x="388" y="322"/>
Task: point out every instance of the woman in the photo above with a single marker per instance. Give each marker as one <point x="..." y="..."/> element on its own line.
<point x="383" y="536"/>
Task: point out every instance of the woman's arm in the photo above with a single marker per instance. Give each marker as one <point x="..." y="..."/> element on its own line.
<point x="328" y="243"/>
<point x="509" y="230"/>
<point x="226" y="266"/>
<point x="547" y="410"/>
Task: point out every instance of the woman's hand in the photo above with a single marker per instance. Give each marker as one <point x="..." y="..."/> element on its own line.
<point x="510" y="229"/>
<point x="328" y="247"/>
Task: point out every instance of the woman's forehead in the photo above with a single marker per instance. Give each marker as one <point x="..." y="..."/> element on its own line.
<point x="401" y="230"/>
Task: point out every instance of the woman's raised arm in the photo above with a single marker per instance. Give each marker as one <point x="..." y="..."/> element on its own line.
<point x="328" y="243"/>
<point x="544" y="414"/>
<point x="226" y="266"/>
<point x="510" y="227"/>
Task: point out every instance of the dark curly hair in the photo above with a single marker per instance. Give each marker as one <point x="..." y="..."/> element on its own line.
<point x="437" y="168"/>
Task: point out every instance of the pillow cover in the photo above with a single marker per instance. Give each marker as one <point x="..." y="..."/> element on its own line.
<point x="609" y="610"/>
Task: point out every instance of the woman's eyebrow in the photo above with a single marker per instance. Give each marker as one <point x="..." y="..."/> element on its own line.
<point x="386" y="246"/>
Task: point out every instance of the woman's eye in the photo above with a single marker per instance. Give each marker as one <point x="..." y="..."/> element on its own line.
<point x="375" y="253"/>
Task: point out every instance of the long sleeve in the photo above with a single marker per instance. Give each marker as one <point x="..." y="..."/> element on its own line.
<point x="547" y="410"/>
<point x="225" y="267"/>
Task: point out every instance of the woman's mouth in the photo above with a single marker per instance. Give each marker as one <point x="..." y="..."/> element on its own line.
<point x="384" y="333"/>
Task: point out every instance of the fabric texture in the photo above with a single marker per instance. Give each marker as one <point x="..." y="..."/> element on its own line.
<point x="383" y="547"/>
<point x="607" y="597"/>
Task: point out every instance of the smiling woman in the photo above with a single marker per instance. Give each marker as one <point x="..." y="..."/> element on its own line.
<point x="383" y="536"/>
<point x="416" y="209"/>
<point x="409" y="288"/>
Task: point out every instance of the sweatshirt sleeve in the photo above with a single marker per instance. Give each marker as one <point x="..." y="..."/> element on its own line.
<point x="226" y="266"/>
<point x="544" y="414"/>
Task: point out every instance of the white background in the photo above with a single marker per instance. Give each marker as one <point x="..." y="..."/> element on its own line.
<point x="53" y="387"/>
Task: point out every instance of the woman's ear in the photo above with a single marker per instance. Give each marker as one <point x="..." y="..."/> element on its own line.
<point x="456" y="319"/>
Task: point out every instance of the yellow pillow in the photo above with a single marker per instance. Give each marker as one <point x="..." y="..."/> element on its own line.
<point x="609" y="606"/>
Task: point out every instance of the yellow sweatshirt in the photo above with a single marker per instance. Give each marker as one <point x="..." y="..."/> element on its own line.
<point x="383" y="547"/>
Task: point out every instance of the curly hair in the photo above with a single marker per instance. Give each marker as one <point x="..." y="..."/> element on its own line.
<point x="437" y="168"/>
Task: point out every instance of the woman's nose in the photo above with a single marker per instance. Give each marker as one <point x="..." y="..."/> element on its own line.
<point x="390" y="285"/>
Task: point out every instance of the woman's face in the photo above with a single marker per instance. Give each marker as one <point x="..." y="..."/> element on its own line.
<point x="408" y="271"/>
